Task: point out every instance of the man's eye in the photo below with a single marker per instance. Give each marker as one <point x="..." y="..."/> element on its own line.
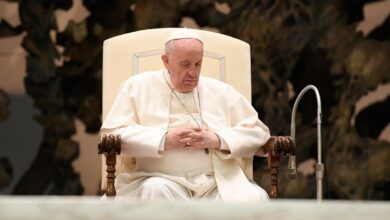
<point x="185" y="65"/>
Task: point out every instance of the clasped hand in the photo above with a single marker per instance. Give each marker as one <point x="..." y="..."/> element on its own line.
<point x="191" y="138"/>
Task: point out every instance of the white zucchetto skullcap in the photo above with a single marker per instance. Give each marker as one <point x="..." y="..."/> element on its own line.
<point x="184" y="33"/>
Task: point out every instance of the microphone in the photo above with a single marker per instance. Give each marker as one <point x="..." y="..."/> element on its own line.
<point x="292" y="168"/>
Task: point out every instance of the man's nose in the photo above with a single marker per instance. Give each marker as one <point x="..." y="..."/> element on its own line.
<point x="192" y="72"/>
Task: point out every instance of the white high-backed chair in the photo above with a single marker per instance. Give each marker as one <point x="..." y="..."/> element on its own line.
<point x="225" y="58"/>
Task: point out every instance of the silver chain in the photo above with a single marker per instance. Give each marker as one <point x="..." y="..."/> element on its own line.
<point x="185" y="107"/>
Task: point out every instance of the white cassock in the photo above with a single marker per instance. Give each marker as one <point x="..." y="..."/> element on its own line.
<point x="146" y="108"/>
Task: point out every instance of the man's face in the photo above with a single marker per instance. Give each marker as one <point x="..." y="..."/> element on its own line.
<point x="183" y="61"/>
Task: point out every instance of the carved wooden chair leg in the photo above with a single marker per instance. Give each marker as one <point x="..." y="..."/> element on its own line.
<point x="110" y="146"/>
<point x="273" y="167"/>
<point x="277" y="147"/>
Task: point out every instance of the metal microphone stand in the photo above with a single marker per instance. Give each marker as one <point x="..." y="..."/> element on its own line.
<point x="319" y="167"/>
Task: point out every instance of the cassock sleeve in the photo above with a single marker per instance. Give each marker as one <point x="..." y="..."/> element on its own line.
<point x="246" y="133"/>
<point x="122" y="119"/>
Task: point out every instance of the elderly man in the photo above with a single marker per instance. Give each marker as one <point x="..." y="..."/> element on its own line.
<point x="192" y="136"/>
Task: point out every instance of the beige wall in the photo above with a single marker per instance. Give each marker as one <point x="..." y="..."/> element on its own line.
<point x="12" y="72"/>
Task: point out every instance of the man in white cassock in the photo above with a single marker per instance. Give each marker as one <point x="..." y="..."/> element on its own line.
<point x="192" y="136"/>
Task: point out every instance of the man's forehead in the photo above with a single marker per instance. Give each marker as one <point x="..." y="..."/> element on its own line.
<point x="184" y="61"/>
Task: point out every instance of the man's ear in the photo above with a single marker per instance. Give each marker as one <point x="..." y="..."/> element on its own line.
<point x="165" y="60"/>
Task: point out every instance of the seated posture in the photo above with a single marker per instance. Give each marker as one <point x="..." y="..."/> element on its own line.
<point x="192" y="136"/>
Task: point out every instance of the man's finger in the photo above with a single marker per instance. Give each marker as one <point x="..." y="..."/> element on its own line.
<point x="196" y="129"/>
<point x="196" y="135"/>
<point x="184" y="132"/>
<point x="186" y="140"/>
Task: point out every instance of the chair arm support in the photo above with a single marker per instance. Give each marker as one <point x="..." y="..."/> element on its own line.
<point x="276" y="147"/>
<point x="110" y="146"/>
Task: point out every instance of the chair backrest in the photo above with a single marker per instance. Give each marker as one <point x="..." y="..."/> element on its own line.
<point x="225" y="58"/>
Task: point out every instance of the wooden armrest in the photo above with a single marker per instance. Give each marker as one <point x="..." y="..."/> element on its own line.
<point x="276" y="147"/>
<point x="110" y="146"/>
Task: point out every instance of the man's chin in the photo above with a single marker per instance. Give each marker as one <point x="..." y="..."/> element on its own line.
<point x="187" y="89"/>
